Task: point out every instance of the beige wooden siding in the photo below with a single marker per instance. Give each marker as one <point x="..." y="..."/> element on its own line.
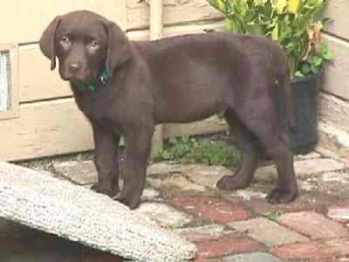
<point x="337" y="73"/>
<point x="44" y="129"/>
<point x="338" y="11"/>
<point x="37" y="81"/>
<point x="23" y="21"/>
<point x="334" y="109"/>
<point x="175" y="11"/>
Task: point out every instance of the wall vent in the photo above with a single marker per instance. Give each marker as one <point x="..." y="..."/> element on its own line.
<point x="8" y="81"/>
<point x="5" y="83"/>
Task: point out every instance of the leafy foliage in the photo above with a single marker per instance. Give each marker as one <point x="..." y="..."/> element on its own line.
<point x="191" y="150"/>
<point x="295" y="24"/>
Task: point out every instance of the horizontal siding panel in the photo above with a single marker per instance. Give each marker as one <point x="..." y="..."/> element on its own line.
<point x="45" y="129"/>
<point x="337" y="73"/>
<point x="175" y="11"/>
<point x="38" y="82"/>
<point x="338" y="11"/>
<point x="23" y="21"/>
<point x="334" y="111"/>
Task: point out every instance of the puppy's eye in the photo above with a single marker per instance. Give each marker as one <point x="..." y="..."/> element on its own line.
<point x="65" y="41"/>
<point x="93" y="44"/>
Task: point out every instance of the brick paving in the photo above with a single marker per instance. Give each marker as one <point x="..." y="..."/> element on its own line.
<point x="238" y="226"/>
<point x="268" y="232"/>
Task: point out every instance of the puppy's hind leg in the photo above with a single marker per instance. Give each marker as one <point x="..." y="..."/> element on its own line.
<point x="247" y="144"/>
<point x="267" y="128"/>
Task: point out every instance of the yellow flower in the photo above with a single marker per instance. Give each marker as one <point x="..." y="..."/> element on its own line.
<point x="293" y="6"/>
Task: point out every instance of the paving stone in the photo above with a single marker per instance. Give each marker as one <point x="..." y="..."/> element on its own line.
<point x="228" y="245"/>
<point x="248" y="195"/>
<point x="339" y="246"/>
<point x="340" y="214"/>
<point x="252" y="257"/>
<point x="175" y="181"/>
<point x="165" y="215"/>
<point x="330" y="250"/>
<point x="304" y="251"/>
<point x="307" y="185"/>
<point x="310" y="155"/>
<point x="341" y="177"/>
<point x="302" y="168"/>
<point x="335" y="183"/>
<point x="268" y="232"/>
<point x="214" y="209"/>
<point x="164" y="168"/>
<point x="206" y="175"/>
<point x="314" y="166"/>
<point x="150" y="194"/>
<point x="316" y="201"/>
<point x="202" y="233"/>
<point x="314" y="225"/>
<point x="80" y="172"/>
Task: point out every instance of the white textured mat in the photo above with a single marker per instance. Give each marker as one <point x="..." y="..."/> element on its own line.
<point x="76" y="213"/>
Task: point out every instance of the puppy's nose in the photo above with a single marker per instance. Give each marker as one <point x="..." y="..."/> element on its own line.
<point x="74" y="67"/>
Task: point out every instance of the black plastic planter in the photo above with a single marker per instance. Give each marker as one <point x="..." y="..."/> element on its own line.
<point x="304" y="137"/>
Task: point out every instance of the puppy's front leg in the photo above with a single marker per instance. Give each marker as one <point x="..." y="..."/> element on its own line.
<point x="106" y="161"/>
<point x="138" y="143"/>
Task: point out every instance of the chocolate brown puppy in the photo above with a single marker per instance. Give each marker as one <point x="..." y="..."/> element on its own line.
<point x="125" y="88"/>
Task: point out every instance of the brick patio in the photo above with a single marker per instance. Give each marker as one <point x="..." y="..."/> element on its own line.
<point x="225" y="226"/>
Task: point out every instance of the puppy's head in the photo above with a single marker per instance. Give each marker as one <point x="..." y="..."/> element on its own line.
<point x="85" y="45"/>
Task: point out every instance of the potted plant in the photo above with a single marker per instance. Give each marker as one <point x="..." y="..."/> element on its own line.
<point x="296" y="25"/>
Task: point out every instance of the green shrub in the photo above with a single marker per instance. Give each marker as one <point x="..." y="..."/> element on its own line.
<point x="191" y="150"/>
<point x="295" y="24"/>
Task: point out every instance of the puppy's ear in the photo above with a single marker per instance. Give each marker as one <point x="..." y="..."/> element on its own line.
<point x="47" y="41"/>
<point x="118" y="47"/>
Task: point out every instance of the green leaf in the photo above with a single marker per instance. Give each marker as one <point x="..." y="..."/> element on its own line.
<point x="305" y="69"/>
<point x="275" y="33"/>
<point x="299" y="74"/>
<point x="316" y="61"/>
<point x="314" y="68"/>
<point x="326" y="52"/>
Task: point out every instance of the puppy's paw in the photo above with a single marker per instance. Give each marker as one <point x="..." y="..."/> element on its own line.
<point x="281" y="196"/>
<point x="231" y="183"/>
<point x="104" y="190"/>
<point x="130" y="200"/>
